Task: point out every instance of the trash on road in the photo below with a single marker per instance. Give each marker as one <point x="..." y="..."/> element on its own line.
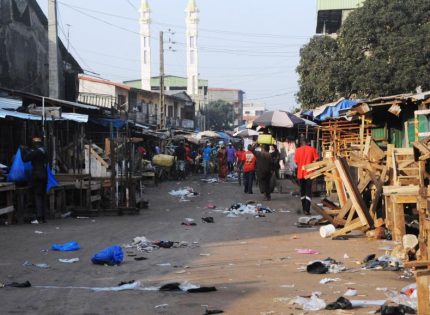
<point x="307" y="251"/>
<point x="325" y="266"/>
<point x="189" y="223"/>
<point x="128" y="286"/>
<point x="211" y="312"/>
<point x="241" y="208"/>
<point x="25" y="284"/>
<point x="309" y="220"/>
<point x="208" y="220"/>
<point x="42" y="265"/>
<point x="186" y="287"/>
<point x="66" y="247"/>
<point x="69" y="261"/>
<point x="161" y="306"/>
<point x="350" y="292"/>
<point x="388" y="263"/>
<point x="38" y="232"/>
<point x="140" y="258"/>
<point x="329" y="280"/>
<point x="184" y="193"/>
<point x="212" y="180"/>
<point x="341" y="303"/>
<point x="112" y="255"/>
<point x="314" y="303"/>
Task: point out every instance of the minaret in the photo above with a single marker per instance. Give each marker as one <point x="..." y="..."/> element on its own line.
<point x="192" y="21"/>
<point x="145" y="45"/>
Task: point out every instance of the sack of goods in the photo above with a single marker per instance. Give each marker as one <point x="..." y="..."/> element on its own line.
<point x="163" y="160"/>
<point x="265" y="139"/>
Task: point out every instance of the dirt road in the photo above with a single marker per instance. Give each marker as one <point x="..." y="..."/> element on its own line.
<point x="252" y="261"/>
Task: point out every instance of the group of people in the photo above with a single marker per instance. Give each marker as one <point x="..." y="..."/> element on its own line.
<point x="262" y="162"/>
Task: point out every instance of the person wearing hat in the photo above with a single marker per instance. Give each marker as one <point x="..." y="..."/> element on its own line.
<point x="38" y="157"/>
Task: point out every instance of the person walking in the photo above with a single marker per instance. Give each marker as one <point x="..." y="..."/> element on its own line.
<point x="207" y="159"/>
<point x="248" y="170"/>
<point x="38" y="157"/>
<point x="264" y="170"/>
<point x="240" y="160"/>
<point x="305" y="155"/>
<point x="222" y="163"/>
<point x="231" y="157"/>
<point x="180" y="154"/>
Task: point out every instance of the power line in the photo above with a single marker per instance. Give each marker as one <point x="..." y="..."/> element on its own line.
<point x="131" y="4"/>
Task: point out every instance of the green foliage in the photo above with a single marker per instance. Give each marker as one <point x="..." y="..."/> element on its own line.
<point x="383" y="49"/>
<point x="219" y="115"/>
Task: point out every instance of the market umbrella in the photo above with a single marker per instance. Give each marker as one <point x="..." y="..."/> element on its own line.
<point x="208" y="134"/>
<point x="246" y="133"/>
<point x="278" y="118"/>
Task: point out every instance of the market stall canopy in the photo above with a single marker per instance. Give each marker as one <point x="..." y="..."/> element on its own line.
<point x="278" y="118"/>
<point x="332" y="110"/>
<point x="208" y="134"/>
<point x="246" y="133"/>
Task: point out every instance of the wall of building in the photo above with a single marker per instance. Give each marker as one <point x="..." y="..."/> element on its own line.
<point x="24" y="51"/>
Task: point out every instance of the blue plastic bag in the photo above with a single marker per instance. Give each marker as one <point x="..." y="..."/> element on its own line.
<point x="66" y="247"/>
<point x="52" y="181"/>
<point x="112" y="255"/>
<point x="19" y="171"/>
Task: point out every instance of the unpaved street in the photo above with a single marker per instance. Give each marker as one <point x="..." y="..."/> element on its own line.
<point x="251" y="261"/>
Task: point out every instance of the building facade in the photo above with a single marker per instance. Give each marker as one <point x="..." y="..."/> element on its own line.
<point x="332" y="13"/>
<point x="252" y="111"/>
<point x="231" y="96"/>
<point x="24" y="52"/>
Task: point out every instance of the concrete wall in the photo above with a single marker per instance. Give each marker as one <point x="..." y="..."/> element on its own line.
<point x="24" y="50"/>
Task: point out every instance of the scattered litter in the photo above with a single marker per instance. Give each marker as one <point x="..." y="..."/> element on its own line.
<point x="38" y="232"/>
<point x="161" y="306"/>
<point x="341" y="303"/>
<point x="388" y="263"/>
<point x="364" y="303"/>
<point x="309" y="220"/>
<point x="307" y="251"/>
<point x="66" y="215"/>
<point x="140" y="258"/>
<point x="393" y="310"/>
<point x="69" y="261"/>
<point x="329" y="280"/>
<point x="382" y="289"/>
<point x="189" y="223"/>
<point x="66" y="247"/>
<point x="164" y="265"/>
<point x="210" y="312"/>
<point x="314" y="303"/>
<point x="112" y="255"/>
<point x="207" y="255"/>
<point x="288" y="286"/>
<point x="128" y="286"/>
<point x="327" y="230"/>
<point x="180" y="272"/>
<point x="345" y="256"/>
<point x="350" y="292"/>
<point x="34" y="222"/>
<point x="142" y="244"/>
<point x="82" y="217"/>
<point x="184" y="193"/>
<point x="25" y="284"/>
<point x="208" y="220"/>
<point x="186" y="287"/>
<point x="325" y="266"/>
<point x="240" y="208"/>
<point x="281" y="300"/>
<point x="210" y="205"/>
<point x="42" y="266"/>
<point x="209" y="180"/>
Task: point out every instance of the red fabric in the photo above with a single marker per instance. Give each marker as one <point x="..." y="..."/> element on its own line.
<point x="240" y="156"/>
<point x="188" y="152"/>
<point x="250" y="159"/>
<point x="304" y="155"/>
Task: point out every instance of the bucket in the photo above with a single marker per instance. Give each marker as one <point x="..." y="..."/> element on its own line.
<point x="327" y="230"/>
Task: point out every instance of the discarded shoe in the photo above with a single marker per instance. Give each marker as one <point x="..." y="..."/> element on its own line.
<point x="341" y="303"/>
<point x="208" y="220"/>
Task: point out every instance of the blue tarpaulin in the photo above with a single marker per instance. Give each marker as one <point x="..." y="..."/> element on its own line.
<point x="332" y="110"/>
<point x="106" y="122"/>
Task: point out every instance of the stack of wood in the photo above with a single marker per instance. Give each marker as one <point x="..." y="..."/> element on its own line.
<point x="354" y="211"/>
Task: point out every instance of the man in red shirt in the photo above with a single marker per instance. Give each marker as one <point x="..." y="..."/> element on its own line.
<point x="248" y="169"/>
<point x="305" y="155"/>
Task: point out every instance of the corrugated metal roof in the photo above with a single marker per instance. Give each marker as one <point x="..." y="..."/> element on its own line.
<point x="338" y="4"/>
<point x="80" y="118"/>
<point x="10" y="103"/>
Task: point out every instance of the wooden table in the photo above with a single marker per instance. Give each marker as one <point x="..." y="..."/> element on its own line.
<point x="7" y="193"/>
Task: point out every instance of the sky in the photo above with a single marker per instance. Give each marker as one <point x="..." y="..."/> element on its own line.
<point x="252" y="45"/>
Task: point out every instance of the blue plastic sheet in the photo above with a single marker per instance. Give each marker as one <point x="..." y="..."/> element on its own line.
<point x="66" y="247"/>
<point x="52" y="181"/>
<point x="19" y="171"/>
<point x="112" y="255"/>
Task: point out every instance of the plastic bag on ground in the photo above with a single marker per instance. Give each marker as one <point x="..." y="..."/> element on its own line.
<point x="52" y="181"/>
<point x="66" y="247"/>
<point x="310" y="304"/>
<point x="112" y="255"/>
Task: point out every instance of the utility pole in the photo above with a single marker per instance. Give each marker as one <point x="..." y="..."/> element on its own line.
<point x="162" y="103"/>
<point x="54" y="87"/>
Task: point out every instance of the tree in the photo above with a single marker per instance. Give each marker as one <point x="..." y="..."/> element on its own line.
<point x="319" y="72"/>
<point x="219" y="115"/>
<point x="382" y="49"/>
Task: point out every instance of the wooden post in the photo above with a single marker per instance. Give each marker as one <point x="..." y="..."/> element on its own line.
<point x="422" y="278"/>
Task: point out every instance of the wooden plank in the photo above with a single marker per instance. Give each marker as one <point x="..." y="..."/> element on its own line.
<point x="404" y="199"/>
<point x="353" y="226"/>
<point x="398" y="215"/>
<point x="401" y="190"/>
<point x="316" y="165"/>
<point x="7" y="209"/>
<point x="422" y="279"/>
<point x="353" y="193"/>
<point x="417" y="264"/>
<point x="320" y="172"/>
<point x="321" y="212"/>
<point x="345" y="209"/>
